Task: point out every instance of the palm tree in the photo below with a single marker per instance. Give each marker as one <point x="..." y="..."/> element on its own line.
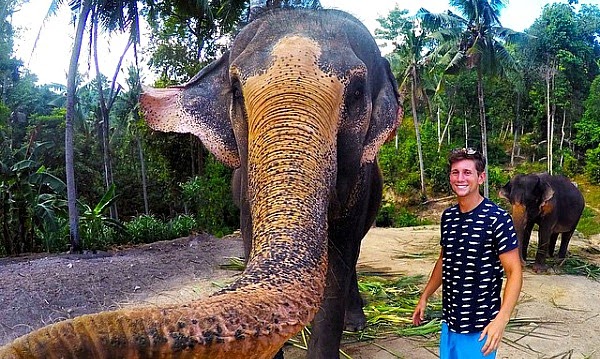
<point x="474" y="41"/>
<point x="84" y="11"/>
<point x="410" y="43"/>
<point x="131" y="124"/>
<point x="112" y="15"/>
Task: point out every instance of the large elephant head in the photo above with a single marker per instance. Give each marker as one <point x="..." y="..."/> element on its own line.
<point x="529" y="196"/>
<point x="299" y="106"/>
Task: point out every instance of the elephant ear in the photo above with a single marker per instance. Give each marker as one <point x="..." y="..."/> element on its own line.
<point x="199" y="107"/>
<point x="505" y="191"/>
<point x="386" y="113"/>
<point x="547" y="191"/>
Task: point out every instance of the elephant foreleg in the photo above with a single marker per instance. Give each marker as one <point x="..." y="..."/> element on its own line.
<point x="544" y="235"/>
<point x="354" y="319"/>
<point x="552" y="244"/>
<point x="342" y="299"/>
<point x="328" y="324"/>
<point x="564" y="243"/>
<point x="525" y="240"/>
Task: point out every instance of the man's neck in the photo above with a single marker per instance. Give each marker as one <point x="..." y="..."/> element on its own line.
<point x="467" y="204"/>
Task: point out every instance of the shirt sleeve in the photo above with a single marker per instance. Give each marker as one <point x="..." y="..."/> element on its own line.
<point x="504" y="233"/>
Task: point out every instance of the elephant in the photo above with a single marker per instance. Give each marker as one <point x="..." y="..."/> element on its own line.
<point x="299" y="106"/>
<point x="552" y="202"/>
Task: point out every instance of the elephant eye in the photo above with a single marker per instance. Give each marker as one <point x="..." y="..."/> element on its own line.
<point x="236" y="91"/>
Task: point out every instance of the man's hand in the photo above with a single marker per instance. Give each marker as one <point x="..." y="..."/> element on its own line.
<point x="493" y="334"/>
<point x="419" y="314"/>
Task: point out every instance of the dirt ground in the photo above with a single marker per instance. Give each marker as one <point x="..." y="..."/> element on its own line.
<point x="564" y="310"/>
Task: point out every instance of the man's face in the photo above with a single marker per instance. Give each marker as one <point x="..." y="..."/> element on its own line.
<point x="464" y="178"/>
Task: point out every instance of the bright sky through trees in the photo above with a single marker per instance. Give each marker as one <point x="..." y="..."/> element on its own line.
<point x="51" y="56"/>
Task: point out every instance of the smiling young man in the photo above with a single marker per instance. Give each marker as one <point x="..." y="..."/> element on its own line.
<point x="479" y="245"/>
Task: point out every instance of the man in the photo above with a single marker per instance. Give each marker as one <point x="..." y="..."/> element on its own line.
<point x="479" y="244"/>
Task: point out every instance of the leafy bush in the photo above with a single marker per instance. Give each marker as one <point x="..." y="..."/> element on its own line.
<point x="182" y="226"/>
<point x="55" y="238"/>
<point x="96" y="229"/>
<point x="592" y="165"/>
<point x="497" y="177"/>
<point x="571" y="166"/>
<point x="210" y="201"/>
<point x="392" y="216"/>
<point x="437" y="172"/>
<point x="148" y="228"/>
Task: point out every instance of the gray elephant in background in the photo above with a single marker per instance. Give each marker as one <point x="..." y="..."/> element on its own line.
<point x="554" y="203"/>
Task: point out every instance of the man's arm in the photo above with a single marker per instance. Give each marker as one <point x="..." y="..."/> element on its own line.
<point x="511" y="261"/>
<point x="435" y="281"/>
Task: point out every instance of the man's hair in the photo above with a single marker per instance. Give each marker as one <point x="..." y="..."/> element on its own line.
<point x="459" y="154"/>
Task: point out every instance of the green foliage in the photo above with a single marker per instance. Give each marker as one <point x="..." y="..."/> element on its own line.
<point x="588" y="129"/>
<point x="571" y="165"/>
<point x="592" y="166"/>
<point x="210" y="200"/>
<point x="55" y="237"/>
<point x="31" y="197"/>
<point x="391" y="303"/>
<point x="97" y="230"/>
<point x="391" y="215"/>
<point x="148" y="228"/>
<point x="497" y="176"/>
<point x="578" y="266"/>
<point x="185" y="35"/>
<point x="589" y="223"/>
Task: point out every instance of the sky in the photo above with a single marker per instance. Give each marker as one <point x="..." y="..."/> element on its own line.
<point x="50" y="60"/>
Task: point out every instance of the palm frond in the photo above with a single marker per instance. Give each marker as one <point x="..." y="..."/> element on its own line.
<point x="442" y="20"/>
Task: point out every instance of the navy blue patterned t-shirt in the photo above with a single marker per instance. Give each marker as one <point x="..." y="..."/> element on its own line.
<point x="471" y="270"/>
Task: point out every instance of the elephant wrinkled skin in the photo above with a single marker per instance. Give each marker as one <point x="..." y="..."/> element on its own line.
<point x="553" y="203"/>
<point x="299" y="106"/>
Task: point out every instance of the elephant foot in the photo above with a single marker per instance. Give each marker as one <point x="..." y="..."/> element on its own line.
<point x="540" y="268"/>
<point x="355" y="322"/>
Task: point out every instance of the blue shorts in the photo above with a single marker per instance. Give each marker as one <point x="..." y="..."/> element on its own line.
<point x="461" y="346"/>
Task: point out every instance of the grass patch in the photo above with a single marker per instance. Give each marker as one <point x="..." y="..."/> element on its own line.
<point x="578" y="266"/>
<point x="390" y="304"/>
<point x="234" y="263"/>
<point x="589" y="223"/>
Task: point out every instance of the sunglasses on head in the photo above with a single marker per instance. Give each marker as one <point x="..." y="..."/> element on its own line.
<point x="467" y="151"/>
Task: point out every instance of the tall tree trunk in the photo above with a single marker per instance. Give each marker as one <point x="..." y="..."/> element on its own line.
<point x="516" y="130"/>
<point x="562" y="137"/>
<point x="143" y="169"/>
<point x="417" y="131"/>
<point x="549" y="75"/>
<point x="76" y="245"/>
<point x="104" y="120"/>
<point x="7" y="239"/>
<point x="486" y="186"/>
<point x="441" y="139"/>
<point x="466" y="132"/>
<point x="439" y="126"/>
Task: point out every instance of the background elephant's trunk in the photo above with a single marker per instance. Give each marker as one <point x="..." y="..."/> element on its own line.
<point x="519" y="214"/>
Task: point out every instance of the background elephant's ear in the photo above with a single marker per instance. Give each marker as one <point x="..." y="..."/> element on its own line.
<point x="505" y="191"/>
<point x="386" y="112"/>
<point x="200" y="107"/>
<point x="548" y="192"/>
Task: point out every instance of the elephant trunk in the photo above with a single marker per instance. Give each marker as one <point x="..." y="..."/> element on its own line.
<point x="519" y="214"/>
<point x="291" y="167"/>
<point x="278" y="294"/>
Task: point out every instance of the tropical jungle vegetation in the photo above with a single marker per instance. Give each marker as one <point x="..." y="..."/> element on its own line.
<point x="79" y="169"/>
